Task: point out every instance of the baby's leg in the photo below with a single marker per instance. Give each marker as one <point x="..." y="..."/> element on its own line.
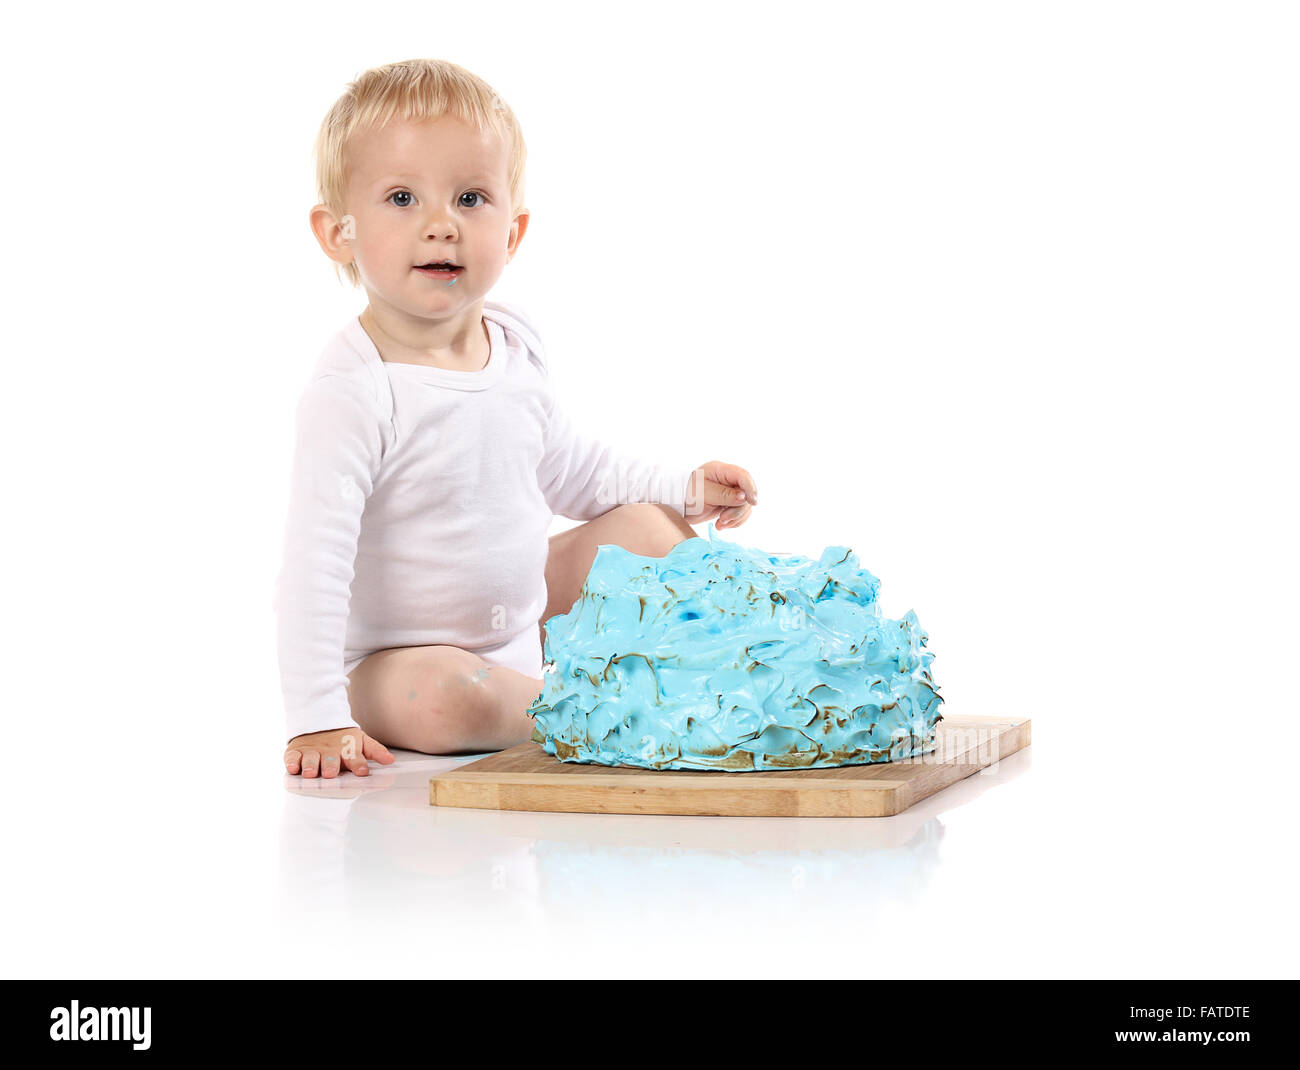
<point x="445" y="700"/>
<point x="441" y="700"/>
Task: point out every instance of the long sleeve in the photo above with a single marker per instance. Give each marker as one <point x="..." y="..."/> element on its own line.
<point x="582" y="479"/>
<point x="336" y="458"/>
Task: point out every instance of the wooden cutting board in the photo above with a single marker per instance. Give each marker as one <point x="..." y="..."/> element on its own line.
<point x="527" y="778"/>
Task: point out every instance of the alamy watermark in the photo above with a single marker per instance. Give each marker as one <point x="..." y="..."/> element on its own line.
<point x="957" y="745"/>
<point x="76" y="1022"/>
<point x="618" y="487"/>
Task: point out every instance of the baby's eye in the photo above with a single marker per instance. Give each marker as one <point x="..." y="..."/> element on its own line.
<point x="400" y="193"/>
<point x="470" y="193"/>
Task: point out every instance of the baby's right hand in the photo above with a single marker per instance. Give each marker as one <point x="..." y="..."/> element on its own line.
<point x="325" y="750"/>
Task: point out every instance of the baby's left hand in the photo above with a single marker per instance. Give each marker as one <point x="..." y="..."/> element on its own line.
<point x="721" y="490"/>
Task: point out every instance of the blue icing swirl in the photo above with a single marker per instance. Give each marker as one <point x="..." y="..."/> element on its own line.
<point x="718" y="656"/>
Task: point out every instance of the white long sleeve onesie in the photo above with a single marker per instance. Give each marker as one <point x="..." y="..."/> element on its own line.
<point x="420" y="500"/>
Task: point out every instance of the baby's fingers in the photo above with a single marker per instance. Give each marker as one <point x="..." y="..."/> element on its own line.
<point x="372" y="748"/>
<point x="735" y="516"/>
<point x="354" y="757"/>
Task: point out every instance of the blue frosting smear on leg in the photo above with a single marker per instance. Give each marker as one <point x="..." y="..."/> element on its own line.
<point x="719" y="656"/>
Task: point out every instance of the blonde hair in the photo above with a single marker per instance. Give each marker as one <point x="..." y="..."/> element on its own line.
<point x="413" y="90"/>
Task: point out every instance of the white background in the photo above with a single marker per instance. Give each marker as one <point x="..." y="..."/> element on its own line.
<point x="1000" y="295"/>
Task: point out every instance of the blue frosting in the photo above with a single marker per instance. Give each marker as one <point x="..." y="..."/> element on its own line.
<point x="718" y="656"/>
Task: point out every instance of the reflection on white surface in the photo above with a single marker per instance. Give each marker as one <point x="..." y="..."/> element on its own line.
<point x="361" y="849"/>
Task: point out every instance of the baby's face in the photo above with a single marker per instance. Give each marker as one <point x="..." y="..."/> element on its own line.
<point x="421" y="192"/>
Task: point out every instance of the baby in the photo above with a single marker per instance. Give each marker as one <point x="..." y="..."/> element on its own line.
<point x="430" y="454"/>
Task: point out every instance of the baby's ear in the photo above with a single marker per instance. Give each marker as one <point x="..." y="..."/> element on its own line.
<point x="517" y="228"/>
<point x="334" y="236"/>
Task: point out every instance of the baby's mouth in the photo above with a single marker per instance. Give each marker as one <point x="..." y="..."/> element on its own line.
<point x="440" y="269"/>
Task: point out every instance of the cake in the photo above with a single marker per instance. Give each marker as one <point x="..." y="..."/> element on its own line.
<point x="721" y="657"/>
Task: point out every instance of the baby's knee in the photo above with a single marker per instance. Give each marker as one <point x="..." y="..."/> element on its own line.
<point x="450" y="697"/>
<point x="650" y="529"/>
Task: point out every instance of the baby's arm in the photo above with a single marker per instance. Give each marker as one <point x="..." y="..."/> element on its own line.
<point x="582" y="478"/>
<point x="336" y="458"/>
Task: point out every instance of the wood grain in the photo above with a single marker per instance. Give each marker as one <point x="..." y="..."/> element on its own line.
<point x="527" y="778"/>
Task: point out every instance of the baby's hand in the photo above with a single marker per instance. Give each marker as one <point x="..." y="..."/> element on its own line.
<point x="720" y="490"/>
<point x="325" y="751"/>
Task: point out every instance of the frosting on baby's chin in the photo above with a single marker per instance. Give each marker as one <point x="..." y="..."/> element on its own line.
<point x="718" y="656"/>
